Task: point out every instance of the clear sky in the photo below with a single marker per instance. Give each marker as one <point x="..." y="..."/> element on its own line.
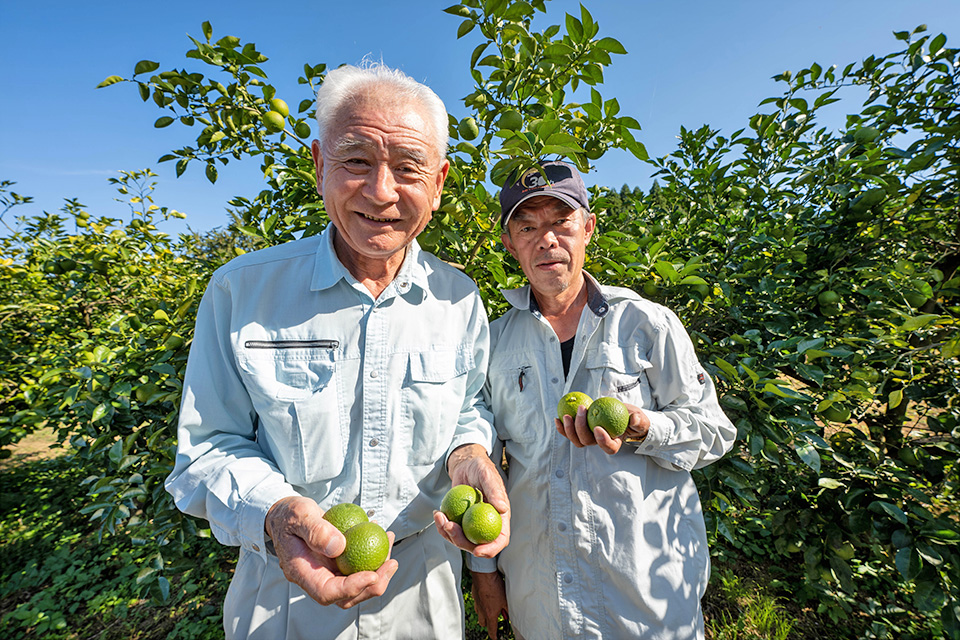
<point x="689" y="62"/>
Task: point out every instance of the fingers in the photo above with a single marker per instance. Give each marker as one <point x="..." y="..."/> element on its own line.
<point x="576" y="429"/>
<point x="606" y="443"/>
<point x="306" y="546"/>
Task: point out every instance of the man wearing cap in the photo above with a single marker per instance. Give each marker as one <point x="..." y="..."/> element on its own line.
<point x="608" y="538"/>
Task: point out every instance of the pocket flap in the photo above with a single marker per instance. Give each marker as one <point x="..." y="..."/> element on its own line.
<point x="621" y="359"/>
<point x="440" y="366"/>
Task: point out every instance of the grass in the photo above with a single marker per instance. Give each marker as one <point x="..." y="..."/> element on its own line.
<point x="751" y="612"/>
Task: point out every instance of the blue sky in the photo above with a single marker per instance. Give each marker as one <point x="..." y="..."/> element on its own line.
<point x="689" y="63"/>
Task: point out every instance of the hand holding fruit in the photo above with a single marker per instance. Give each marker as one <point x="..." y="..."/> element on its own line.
<point x="470" y="467"/>
<point x="307" y="546"/>
<point x="606" y="422"/>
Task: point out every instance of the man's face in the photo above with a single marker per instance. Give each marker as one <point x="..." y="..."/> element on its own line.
<point x="380" y="177"/>
<point x="549" y="240"/>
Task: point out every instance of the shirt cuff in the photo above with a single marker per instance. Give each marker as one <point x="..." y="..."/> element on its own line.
<point x="480" y="565"/>
<point x="253" y="514"/>
<point x="657" y="435"/>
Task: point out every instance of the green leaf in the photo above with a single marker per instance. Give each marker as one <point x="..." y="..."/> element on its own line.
<point x="611" y="45"/>
<point x="895" y="398"/>
<point x="908" y="562"/>
<point x="109" y="80"/>
<point x="465" y="27"/>
<point x="99" y="412"/>
<point x="809" y="454"/>
<point x="890" y="509"/>
<point x="145" y="66"/>
<point x="207" y="30"/>
<point x="211" y="172"/>
<point x="912" y="324"/>
<point x="162" y="122"/>
<point x="830" y="483"/>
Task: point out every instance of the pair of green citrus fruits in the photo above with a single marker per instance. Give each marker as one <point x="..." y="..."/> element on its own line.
<point x="608" y="413"/>
<point x="480" y="521"/>
<point x="367" y="543"/>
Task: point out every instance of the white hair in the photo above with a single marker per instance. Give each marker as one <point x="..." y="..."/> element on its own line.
<point x="349" y="82"/>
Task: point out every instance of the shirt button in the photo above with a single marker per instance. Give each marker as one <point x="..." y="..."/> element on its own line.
<point x="555" y="381"/>
<point x="559" y="473"/>
<point x="568" y="578"/>
<point x="404" y="285"/>
<point x="374" y="442"/>
<point x="553" y="339"/>
<point x="256" y="548"/>
<point x="562" y="527"/>
<point x="370" y="512"/>
<point x="374" y="374"/>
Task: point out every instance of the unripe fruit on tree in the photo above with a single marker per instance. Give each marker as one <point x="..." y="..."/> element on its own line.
<point x="273" y="121"/>
<point x="865" y="135"/>
<point x="511" y="120"/>
<point x="302" y="130"/>
<point x="468" y="129"/>
<point x="280" y="107"/>
<point x="828" y="297"/>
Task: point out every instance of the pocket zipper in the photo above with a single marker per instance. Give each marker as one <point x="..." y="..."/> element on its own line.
<point x="291" y="344"/>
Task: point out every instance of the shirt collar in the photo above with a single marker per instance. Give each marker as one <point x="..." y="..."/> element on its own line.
<point x="328" y="270"/>
<point x="523" y="298"/>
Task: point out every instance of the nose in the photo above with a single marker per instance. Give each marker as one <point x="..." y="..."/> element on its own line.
<point x="548" y="240"/>
<point x="381" y="186"/>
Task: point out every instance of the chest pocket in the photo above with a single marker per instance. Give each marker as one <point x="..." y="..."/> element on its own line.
<point x="433" y="392"/>
<point x="620" y="372"/>
<point x="296" y="395"/>
<point x="515" y="387"/>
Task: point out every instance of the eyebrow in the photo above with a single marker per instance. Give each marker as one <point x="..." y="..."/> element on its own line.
<point x="346" y="146"/>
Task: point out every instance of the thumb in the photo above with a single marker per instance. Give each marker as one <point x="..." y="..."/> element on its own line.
<point x="322" y="537"/>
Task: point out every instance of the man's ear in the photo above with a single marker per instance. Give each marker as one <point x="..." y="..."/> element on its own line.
<point x="590" y="226"/>
<point x="441" y="177"/>
<point x="318" y="164"/>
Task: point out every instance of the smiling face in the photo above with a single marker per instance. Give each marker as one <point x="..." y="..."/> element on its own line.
<point x="381" y="178"/>
<point x="549" y="240"/>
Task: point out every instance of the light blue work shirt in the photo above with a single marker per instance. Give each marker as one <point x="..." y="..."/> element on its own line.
<point x="604" y="546"/>
<point x="300" y="383"/>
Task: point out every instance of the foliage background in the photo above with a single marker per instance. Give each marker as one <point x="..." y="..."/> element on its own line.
<point x="816" y="271"/>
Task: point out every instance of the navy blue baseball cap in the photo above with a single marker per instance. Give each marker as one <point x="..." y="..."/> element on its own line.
<point x="562" y="181"/>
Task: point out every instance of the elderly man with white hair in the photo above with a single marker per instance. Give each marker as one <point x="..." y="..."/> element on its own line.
<point x="344" y="367"/>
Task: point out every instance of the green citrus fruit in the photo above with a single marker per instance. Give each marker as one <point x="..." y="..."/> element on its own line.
<point x="511" y="120"/>
<point x="610" y="414"/>
<point x="828" y="297"/>
<point x="367" y="548"/>
<point x="273" y="121"/>
<point x="650" y="288"/>
<point x="302" y="129"/>
<point x="468" y="129"/>
<point x="568" y="404"/>
<point x="865" y="135"/>
<point x="345" y="516"/>
<point x="280" y="107"/>
<point x="482" y="523"/>
<point x="458" y="500"/>
<point x="836" y="413"/>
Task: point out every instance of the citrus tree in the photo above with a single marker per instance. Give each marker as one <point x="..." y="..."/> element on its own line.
<point x="816" y="270"/>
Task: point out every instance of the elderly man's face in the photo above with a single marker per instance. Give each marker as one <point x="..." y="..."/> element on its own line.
<point x="380" y="177"/>
<point x="549" y="239"/>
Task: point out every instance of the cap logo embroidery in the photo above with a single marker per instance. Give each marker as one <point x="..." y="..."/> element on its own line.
<point x="532" y="179"/>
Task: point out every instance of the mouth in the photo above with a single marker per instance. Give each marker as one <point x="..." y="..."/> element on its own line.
<point x="549" y="262"/>
<point x="375" y="219"/>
